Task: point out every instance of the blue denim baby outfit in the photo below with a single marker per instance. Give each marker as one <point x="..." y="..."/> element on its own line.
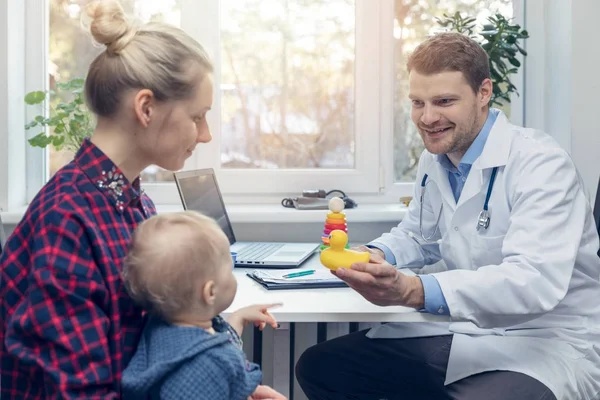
<point x="176" y="363"/>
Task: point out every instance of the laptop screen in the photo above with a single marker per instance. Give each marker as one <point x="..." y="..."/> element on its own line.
<point x="199" y="192"/>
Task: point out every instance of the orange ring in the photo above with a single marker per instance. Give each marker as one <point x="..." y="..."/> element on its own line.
<point x="333" y="215"/>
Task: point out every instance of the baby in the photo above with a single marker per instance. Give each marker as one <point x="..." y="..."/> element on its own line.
<point x="179" y="269"/>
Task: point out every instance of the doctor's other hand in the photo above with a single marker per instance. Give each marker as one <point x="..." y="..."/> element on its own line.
<point x="382" y="284"/>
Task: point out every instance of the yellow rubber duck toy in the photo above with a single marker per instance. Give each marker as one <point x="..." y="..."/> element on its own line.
<point x="337" y="256"/>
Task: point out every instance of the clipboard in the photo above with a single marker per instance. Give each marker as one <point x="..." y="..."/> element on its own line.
<point x="296" y="285"/>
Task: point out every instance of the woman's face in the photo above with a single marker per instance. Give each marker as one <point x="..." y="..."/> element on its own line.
<point x="176" y="127"/>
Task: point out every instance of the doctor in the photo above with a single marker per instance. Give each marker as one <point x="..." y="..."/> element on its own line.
<point x="505" y="209"/>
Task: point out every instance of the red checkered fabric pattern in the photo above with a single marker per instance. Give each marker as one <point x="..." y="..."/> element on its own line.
<point x="68" y="326"/>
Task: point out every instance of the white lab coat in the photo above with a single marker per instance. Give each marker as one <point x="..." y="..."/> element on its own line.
<point x="524" y="295"/>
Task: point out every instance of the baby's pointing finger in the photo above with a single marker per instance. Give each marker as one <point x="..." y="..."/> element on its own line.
<point x="265" y="307"/>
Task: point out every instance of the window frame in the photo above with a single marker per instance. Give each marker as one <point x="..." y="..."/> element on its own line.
<point x="37" y="20"/>
<point x="13" y="180"/>
<point x="370" y="182"/>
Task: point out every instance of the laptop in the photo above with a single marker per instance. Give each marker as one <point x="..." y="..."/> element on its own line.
<point x="200" y="192"/>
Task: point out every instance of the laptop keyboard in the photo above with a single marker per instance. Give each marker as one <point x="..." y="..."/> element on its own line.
<point x="258" y="251"/>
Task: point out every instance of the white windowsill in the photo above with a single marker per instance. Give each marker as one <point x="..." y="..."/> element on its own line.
<point x="272" y="213"/>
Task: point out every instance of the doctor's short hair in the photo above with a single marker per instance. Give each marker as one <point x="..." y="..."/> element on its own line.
<point x="169" y="258"/>
<point x="154" y="56"/>
<point x="451" y="51"/>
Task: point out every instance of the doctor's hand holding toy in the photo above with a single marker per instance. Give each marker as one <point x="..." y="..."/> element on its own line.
<point x="364" y="268"/>
<point x="381" y="283"/>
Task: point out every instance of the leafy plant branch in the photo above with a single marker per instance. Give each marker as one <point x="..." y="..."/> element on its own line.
<point x="71" y="121"/>
<point x="501" y="43"/>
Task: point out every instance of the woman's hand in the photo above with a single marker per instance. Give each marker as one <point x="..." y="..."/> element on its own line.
<point x="266" y="393"/>
<point x="257" y="314"/>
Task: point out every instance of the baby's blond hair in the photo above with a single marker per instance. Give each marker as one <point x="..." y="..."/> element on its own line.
<point x="169" y="257"/>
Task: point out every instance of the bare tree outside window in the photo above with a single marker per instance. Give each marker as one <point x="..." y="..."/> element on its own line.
<point x="287" y="83"/>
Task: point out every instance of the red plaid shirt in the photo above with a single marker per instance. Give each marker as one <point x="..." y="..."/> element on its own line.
<point x="68" y="326"/>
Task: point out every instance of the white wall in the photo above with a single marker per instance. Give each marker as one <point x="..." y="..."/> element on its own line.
<point x="562" y="80"/>
<point x="585" y="81"/>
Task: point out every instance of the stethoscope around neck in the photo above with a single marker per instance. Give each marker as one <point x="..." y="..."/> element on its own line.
<point x="483" y="221"/>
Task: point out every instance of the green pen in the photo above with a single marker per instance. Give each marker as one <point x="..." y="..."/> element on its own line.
<point x="301" y="273"/>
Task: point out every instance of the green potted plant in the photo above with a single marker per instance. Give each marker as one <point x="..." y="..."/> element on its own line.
<point x="500" y="41"/>
<point x="70" y="121"/>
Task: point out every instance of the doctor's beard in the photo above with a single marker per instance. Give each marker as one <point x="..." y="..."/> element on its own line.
<point x="456" y="140"/>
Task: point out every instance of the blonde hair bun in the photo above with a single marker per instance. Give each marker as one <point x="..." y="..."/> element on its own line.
<point x="109" y="25"/>
<point x="154" y="56"/>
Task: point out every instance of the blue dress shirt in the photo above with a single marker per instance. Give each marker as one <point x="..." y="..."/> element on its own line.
<point x="435" y="302"/>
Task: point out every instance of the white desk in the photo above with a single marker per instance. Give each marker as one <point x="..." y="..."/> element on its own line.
<point x="315" y="305"/>
<point x="320" y="305"/>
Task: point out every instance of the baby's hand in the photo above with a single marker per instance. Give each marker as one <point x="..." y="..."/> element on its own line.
<point x="266" y="393"/>
<point x="257" y="314"/>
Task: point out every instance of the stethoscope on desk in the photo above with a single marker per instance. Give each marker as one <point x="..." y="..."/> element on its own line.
<point x="483" y="221"/>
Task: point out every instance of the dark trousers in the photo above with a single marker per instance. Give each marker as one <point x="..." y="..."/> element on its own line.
<point x="356" y="367"/>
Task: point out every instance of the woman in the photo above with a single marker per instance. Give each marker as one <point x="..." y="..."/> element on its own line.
<point x="68" y="326"/>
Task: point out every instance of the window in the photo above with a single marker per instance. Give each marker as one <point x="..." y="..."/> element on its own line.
<point x="298" y="101"/>
<point x="286" y="72"/>
<point x="287" y="84"/>
<point x="310" y="93"/>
